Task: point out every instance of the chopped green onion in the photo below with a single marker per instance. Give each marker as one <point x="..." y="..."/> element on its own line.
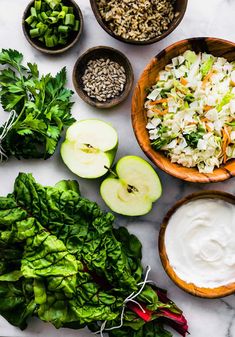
<point x="40" y="17"/>
<point x="33" y="12"/>
<point x="51" y="41"/>
<point x="49" y="32"/>
<point x="65" y="9"/>
<point x="53" y="3"/>
<point x="61" y="15"/>
<point x="63" y="29"/>
<point x="55" y="13"/>
<point x="43" y="7"/>
<point x="62" y="40"/>
<point x="51" y="22"/>
<point x="69" y="19"/>
<point x="76" y="26"/>
<point x="33" y="24"/>
<point x="70" y="10"/>
<point x="44" y="16"/>
<point x="34" y="32"/>
<point x="37" y="5"/>
<point x="29" y="19"/>
<point x="52" y="19"/>
<point x="42" y="27"/>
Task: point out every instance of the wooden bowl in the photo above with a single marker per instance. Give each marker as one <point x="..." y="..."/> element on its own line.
<point x="96" y="53"/>
<point x="189" y="287"/>
<point x="74" y="36"/>
<point x="214" y="46"/>
<point x="179" y="6"/>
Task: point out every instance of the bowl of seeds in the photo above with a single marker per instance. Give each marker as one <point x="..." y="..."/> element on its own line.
<point x="137" y="21"/>
<point x="103" y="77"/>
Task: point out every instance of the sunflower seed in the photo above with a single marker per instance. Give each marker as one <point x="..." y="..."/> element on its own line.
<point x="103" y="79"/>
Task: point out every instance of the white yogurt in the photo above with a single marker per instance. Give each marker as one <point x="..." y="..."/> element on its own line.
<point x="200" y="242"/>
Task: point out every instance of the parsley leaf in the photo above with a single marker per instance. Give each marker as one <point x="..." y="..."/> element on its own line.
<point x="193" y="137"/>
<point x="42" y="105"/>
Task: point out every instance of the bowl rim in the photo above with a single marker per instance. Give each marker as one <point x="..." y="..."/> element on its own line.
<point x="172" y="27"/>
<point x="123" y="95"/>
<point x="210" y="293"/>
<point x="48" y="50"/>
<point x="224" y="172"/>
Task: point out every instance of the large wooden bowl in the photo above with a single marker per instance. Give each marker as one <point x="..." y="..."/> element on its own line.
<point x="189" y="287"/>
<point x="214" y="46"/>
<point x="179" y="7"/>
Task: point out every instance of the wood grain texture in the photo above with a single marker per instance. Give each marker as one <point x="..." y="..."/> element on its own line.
<point x="102" y="52"/>
<point x="217" y="47"/>
<point x="73" y="39"/>
<point x="179" y="6"/>
<point x="189" y="287"/>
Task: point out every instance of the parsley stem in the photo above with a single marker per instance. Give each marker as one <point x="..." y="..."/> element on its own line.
<point x="19" y="116"/>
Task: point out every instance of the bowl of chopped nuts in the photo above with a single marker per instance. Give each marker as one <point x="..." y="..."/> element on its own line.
<point x="139" y="22"/>
<point x="103" y="77"/>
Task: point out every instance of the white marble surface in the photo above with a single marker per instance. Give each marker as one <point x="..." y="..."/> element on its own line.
<point x="206" y="318"/>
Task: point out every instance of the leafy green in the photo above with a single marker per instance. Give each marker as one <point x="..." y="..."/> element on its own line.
<point x="206" y="66"/>
<point x="147" y="330"/>
<point x="159" y="143"/>
<point x="192" y="138"/>
<point x="42" y="107"/>
<point x="225" y="100"/>
<point x="164" y="138"/>
<point x="62" y="261"/>
<point x="189" y="98"/>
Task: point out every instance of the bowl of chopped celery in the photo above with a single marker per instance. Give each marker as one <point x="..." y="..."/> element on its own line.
<point x="183" y="110"/>
<point x="52" y="26"/>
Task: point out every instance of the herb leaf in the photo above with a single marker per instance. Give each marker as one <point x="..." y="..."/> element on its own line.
<point x="193" y="138"/>
<point x="42" y="105"/>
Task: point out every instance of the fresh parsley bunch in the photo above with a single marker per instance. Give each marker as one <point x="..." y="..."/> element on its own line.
<point x="42" y="106"/>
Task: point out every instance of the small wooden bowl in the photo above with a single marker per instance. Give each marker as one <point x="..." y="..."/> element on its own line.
<point x="74" y="36"/>
<point x="214" y="46"/>
<point x="179" y="6"/>
<point x="96" y="53"/>
<point x="189" y="287"/>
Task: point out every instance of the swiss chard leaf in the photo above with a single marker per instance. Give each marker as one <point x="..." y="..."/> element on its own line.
<point x="69" y="266"/>
<point x="152" y="329"/>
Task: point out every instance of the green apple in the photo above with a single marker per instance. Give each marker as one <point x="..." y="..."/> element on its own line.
<point x="132" y="187"/>
<point x="89" y="148"/>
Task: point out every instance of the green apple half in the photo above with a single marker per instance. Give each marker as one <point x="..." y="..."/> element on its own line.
<point x="89" y="148"/>
<point x="132" y="187"/>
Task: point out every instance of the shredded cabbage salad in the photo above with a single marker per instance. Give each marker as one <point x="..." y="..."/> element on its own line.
<point x="191" y="111"/>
